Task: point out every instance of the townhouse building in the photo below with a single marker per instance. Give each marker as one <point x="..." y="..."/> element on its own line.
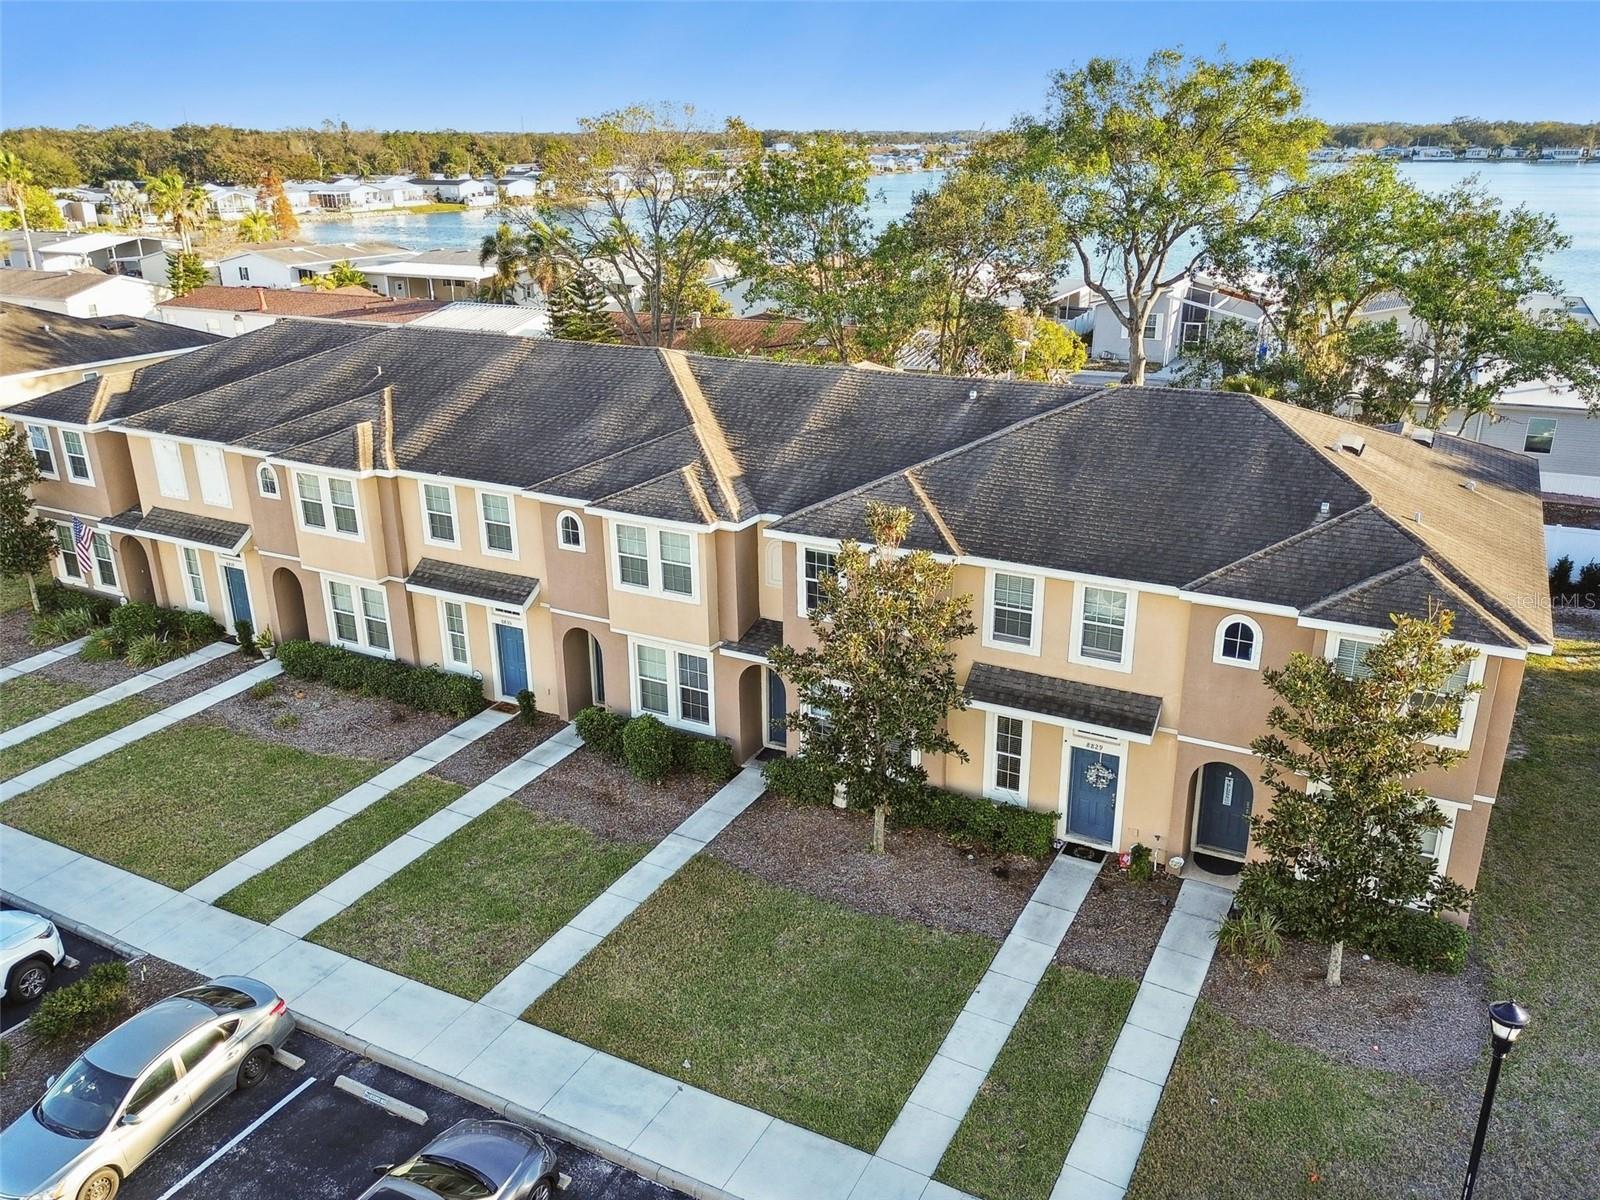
<point x="637" y="528"/>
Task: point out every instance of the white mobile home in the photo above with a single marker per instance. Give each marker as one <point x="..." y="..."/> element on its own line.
<point x="292" y="266"/>
<point x="85" y="292"/>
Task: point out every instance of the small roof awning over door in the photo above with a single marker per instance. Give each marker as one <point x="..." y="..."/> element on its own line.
<point x="1115" y="713"/>
<point x="438" y="578"/>
<point x="182" y="529"/>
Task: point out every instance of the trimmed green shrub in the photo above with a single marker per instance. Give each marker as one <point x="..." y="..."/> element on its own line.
<point x="135" y="621"/>
<point x="711" y="758"/>
<point x="527" y="707"/>
<point x="965" y="820"/>
<point x="188" y="628"/>
<point x="245" y="632"/>
<point x="82" y="1007"/>
<point x="55" y="596"/>
<point x="150" y="650"/>
<point x="103" y="645"/>
<point x="649" y="748"/>
<point x="64" y="625"/>
<point x="1409" y="936"/>
<point x="427" y="689"/>
<point x="601" y="730"/>
<point x="1141" y="866"/>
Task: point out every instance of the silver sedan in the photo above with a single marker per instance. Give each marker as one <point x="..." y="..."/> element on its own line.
<point x="473" y="1160"/>
<point x="138" y="1086"/>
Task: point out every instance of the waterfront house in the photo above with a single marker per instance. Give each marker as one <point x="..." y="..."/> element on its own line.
<point x="230" y="203"/>
<point x="292" y="264"/>
<point x="636" y="528"/>
<point x="1563" y="154"/>
<point x="81" y="292"/>
<point x="42" y="351"/>
<point x="1182" y="316"/>
<point x="1476" y="153"/>
<point x="1433" y="154"/>
<point x="458" y="189"/>
<point x="441" y="275"/>
<point x="1513" y="152"/>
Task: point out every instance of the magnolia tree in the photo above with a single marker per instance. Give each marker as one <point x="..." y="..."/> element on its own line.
<point x="1345" y="851"/>
<point x="875" y="690"/>
<point x="27" y="540"/>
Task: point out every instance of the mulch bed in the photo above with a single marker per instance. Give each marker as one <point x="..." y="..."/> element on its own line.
<point x="1116" y="931"/>
<point x="197" y="680"/>
<point x="14" y="643"/>
<point x="1382" y="1016"/>
<point x="324" y="720"/>
<point x="498" y="748"/>
<point x="33" y="1062"/>
<point x="593" y="792"/>
<point x="92" y="675"/>
<point x="826" y="853"/>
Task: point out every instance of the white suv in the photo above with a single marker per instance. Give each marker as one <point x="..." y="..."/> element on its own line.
<point x="30" y="949"/>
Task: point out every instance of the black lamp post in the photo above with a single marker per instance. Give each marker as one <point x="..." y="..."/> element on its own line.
<point x="1507" y="1020"/>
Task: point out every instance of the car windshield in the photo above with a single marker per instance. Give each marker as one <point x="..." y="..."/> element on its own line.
<point x="443" y="1177"/>
<point x="82" y="1101"/>
<point x="217" y="996"/>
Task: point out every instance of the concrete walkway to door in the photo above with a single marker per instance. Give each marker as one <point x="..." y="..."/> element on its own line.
<point x="41" y="660"/>
<point x="1106" y="1149"/>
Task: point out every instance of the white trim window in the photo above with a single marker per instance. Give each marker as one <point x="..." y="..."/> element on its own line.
<point x="192" y="573"/>
<point x="44" y="456"/>
<point x="267" y="481"/>
<point x="1013" y="620"/>
<point x="1152" y="326"/>
<point x="1238" y="642"/>
<point x="77" y="456"/>
<point x="318" y="495"/>
<point x="438" y="514"/>
<point x="1102" y="627"/>
<point x="663" y="562"/>
<point x="815" y="566"/>
<point x="453" y="635"/>
<point x="170" y="479"/>
<point x="104" y="565"/>
<point x="359" y="617"/>
<point x="1349" y="656"/>
<point x="69" y="553"/>
<point x="1434" y="844"/>
<point x="213" y="475"/>
<point x="313" y="511"/>
<point x="569" y="531"/>
<point x="1007" y="774"/>
<point x="495" y="510"/>
<point x="673" y="684"/>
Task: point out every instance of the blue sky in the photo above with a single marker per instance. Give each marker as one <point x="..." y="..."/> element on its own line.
<point x="783" y="65"/>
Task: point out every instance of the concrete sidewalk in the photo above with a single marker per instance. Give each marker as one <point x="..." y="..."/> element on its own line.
<point x="38" y="662"/>
<point x="667" y="1130"/>
<point x="117" y="691"/>
<point x="171" y="715"/>
<point x="312" y="826"/>
<point x="1106" y="1149"/>
<point x="939" y="1103"/>
<point x="329" y="901"/>
<point x="567" y="947"/>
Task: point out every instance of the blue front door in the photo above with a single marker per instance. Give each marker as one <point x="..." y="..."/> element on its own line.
<point x="1092" y="794"/>
<point x="777" y="710"/>
<point x="1225" y="801"/>
<point x="238" y="593"/>
<point x="513" y="659"/>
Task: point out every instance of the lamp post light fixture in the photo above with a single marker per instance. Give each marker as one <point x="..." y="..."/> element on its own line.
<point x="1507" y="1020"/>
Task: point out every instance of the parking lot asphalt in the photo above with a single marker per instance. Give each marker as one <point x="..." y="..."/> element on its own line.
<point x="296" y="1137"/>
<point x="83" y="951"/>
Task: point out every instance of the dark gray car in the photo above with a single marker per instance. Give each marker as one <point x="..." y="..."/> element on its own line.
<point x="473" y="1160"/>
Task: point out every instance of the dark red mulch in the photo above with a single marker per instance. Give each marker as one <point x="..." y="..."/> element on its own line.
<point x="498" y="748"/>
<point x="1383" y="1016"/>
<point x="1118" y="926"/>
<point x="826" y="853"/>
<point x="597" y="794"/>
<point x="92" y="675"/>
<point x="325" y="720"/>
<point x="14" y="643"/>
<point x="33" y="1062"/>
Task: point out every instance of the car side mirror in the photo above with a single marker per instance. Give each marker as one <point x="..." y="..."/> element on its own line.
<point x="50" y="1081"/>
<point x="383" y="1168"/>
<point x="131" y="1118"/>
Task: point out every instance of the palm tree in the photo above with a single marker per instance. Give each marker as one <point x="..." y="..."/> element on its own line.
<point x="509" y="253"/>
<point x="545" y="268"/>
<point x="257" y="226"/>
<point x="341" y="274"/>
<point x="125" y="199"/>
<point x="15" y="177"/>
<point x="181" y="206"/>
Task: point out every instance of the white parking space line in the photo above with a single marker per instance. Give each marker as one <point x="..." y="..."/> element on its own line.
<point x="234" y="1141"/>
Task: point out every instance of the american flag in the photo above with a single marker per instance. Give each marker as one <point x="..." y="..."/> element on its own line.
<point x="83" y="543"/>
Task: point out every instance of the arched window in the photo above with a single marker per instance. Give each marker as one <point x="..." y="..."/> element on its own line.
<point x="569" y="530"/>
<point x="268" y="480"/>
<point x="1238" y="642"/>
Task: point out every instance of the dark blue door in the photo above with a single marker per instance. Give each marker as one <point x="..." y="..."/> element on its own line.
<point x="238" y="594"/>
<point x="513" y="659"/>
<point x="1092" y="794"/>
<point x="777" y="710"/>
<point x="1225" y="797"/>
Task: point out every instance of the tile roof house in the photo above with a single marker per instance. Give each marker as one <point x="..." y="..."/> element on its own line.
<point x="637" y="527"/>
<point x="234" y="310"/>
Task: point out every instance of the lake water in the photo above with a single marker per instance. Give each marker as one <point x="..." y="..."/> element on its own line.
<point x="1568" y="191"/>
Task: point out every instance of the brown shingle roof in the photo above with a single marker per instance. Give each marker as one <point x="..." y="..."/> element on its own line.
<point x="741" y="335"/>
<point x="32" y="339"/>
<point x="342" y="304"/>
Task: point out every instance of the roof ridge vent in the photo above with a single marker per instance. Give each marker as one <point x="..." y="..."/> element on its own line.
<point x="1350" y="442"/>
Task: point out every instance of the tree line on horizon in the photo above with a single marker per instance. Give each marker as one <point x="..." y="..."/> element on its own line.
<point x="230" y="154"/>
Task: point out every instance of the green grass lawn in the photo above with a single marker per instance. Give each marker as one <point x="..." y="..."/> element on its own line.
<point x="80" y="732"/>
<point x="1247" y="1116"/>
<point x="13" y="593"/>
<point x="29" y="696"/>
<point x="1018" y="1131"/>
<point x="279" y="888"/>
<point x="177" y="805"/>
<point x="823" y="1016"/>
<point x="467" y="912"/>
